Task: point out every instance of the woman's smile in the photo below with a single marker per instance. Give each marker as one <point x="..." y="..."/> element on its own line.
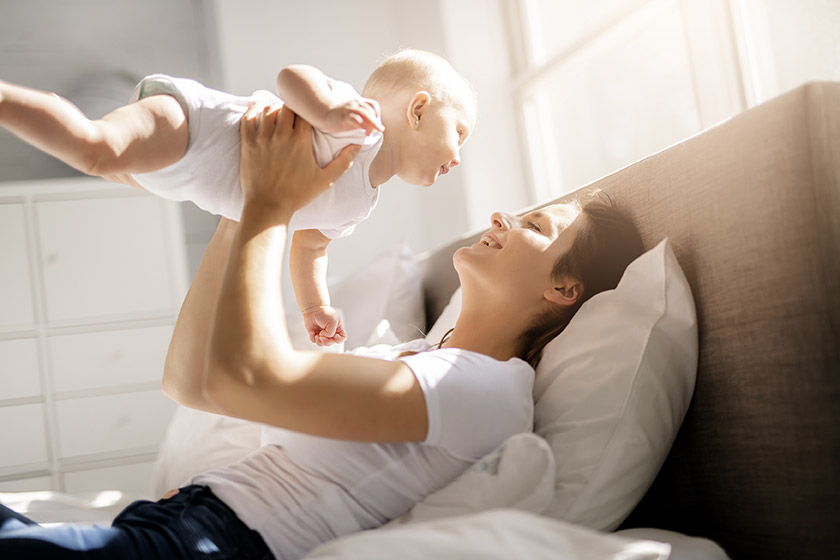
<point x="491" y="241"/>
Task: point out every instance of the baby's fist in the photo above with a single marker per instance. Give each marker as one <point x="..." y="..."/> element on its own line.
<point x="323" y="323"/>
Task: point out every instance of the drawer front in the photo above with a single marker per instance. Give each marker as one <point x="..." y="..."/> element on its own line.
<point x="107" y="359"/>
<point x="26" y="443"/>
<point x="135" y="479"/>
<point x="19" y="375"/>
<point x="112" y="423"/>
<point x="33" y="484"/>
<point x="16" y="306"/>
<point x="104" y="258"/>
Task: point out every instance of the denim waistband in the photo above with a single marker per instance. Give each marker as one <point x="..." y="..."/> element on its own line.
<point x="201" y="524"/>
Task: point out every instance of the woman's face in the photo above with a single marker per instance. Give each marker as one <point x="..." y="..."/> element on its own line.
<point x="515" y="258"/>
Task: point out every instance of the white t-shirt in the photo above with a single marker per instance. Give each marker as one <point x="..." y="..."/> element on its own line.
<point x="208" y="173"/>
<point x="299" y="491"/>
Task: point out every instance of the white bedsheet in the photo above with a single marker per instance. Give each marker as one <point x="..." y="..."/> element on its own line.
<point x="49" y="508"/>
<point x="498" y="533"/>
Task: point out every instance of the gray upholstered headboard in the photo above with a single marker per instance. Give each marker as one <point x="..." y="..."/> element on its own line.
<point x="752" y="208"/>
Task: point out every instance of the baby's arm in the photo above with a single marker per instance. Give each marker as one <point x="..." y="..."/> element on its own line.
<point x="308" y="269"/>
<point x="308" y="92"/>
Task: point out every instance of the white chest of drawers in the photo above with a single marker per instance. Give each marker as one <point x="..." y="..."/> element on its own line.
<point x="91" y="279"/>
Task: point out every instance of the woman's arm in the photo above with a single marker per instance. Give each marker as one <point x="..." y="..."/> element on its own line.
<point x="309" y="93"/>
<point x="184" y="366"/>
<point x="252" y="371"/>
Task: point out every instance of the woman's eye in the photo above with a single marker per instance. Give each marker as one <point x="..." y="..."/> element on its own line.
<point x="534" y="226"/>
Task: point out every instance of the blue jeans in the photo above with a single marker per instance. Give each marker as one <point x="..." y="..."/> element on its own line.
<point x="191" y="524"/>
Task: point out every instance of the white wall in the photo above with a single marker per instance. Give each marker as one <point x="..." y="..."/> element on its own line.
<point x="76" y="50"/>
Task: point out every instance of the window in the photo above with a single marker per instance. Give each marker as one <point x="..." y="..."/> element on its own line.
<point x="597" y="96"/>
<point x="601" y="84"/>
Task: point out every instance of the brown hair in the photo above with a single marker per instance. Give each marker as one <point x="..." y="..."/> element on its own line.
<point x="608" y="242"/>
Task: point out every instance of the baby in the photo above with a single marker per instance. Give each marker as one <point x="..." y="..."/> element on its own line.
<point x="180" y="140"/>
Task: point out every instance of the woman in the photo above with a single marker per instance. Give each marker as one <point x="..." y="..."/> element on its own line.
<point x="351" y="440"/>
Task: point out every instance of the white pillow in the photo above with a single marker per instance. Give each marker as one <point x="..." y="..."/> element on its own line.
<point x="611" y="391"/>
<point x="497" y="534"/>
<point x="446" y="320"/>
<point x="381" y="302"/>
<point x="518" y="474"/>
<point x="387" y="288"/>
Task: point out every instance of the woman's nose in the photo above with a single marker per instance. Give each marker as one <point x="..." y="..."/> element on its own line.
<point x="500" y="220"/>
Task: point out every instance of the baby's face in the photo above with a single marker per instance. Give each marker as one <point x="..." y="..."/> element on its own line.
<point x="434" y="147"/>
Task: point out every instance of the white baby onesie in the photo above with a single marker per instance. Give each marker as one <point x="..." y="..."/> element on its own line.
<point x="208" y="173"/>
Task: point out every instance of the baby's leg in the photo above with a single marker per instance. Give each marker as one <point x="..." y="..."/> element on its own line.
<point x="136" y="138"/>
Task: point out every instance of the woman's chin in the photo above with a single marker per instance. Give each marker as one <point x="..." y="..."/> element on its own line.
<point x="461" y="256"/>
<point x="458" y="256"/>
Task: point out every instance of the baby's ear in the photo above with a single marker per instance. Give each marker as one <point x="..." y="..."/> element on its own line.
<point x="416" y="107"/>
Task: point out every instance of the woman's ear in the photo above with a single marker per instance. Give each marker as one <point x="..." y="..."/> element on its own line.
<point x="416" y="107"/>
<point x="565" y="292"/>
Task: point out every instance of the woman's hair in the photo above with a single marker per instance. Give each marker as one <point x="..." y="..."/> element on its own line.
<point x="608" y="242"/>
<point x="418" y="70"/>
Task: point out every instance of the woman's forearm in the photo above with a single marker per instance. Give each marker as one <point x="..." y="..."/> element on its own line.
<point x="184" y="366"/>
<point x="248" y="335"/>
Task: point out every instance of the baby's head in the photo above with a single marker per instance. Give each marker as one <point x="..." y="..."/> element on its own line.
<point x="428" y="110"/>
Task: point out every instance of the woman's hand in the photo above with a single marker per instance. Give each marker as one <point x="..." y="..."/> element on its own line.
<point x="278" y="171"/>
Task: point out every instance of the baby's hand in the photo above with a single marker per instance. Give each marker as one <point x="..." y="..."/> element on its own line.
<point x="324" y="326"/>
<point x="357" y="113"/>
